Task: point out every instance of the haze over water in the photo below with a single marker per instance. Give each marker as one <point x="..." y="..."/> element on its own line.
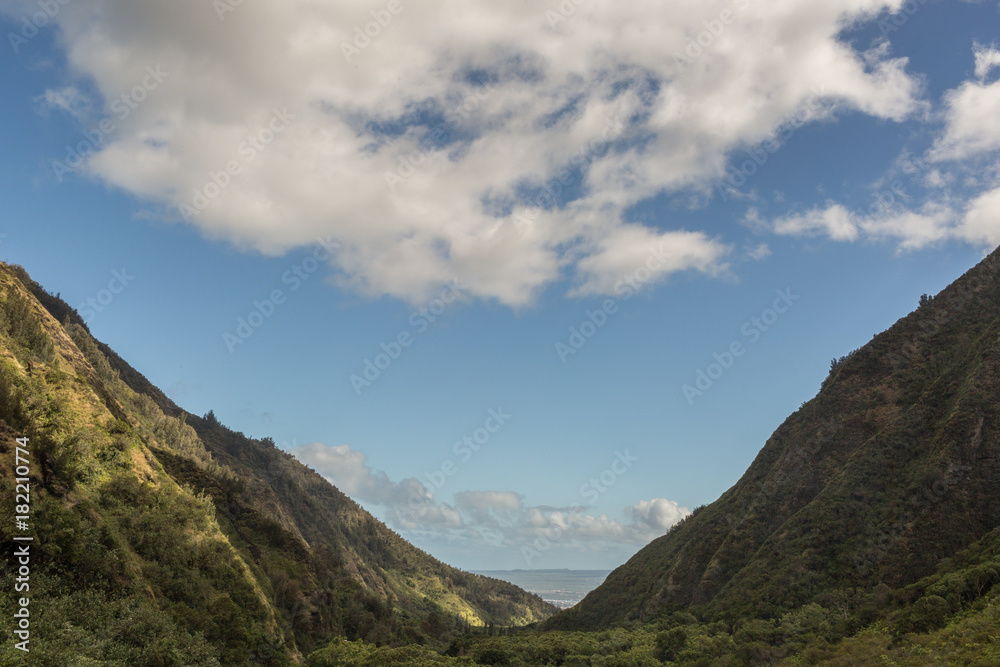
<point x="563" y="588"/>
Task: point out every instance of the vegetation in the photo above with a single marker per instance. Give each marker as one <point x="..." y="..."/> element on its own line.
<point x="167" y="539"/>
<point x="809" y="636"/>
<point x="865" y="532"/>
<point x="891" y="469"/>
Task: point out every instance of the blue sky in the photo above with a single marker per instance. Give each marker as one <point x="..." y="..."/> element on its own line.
<point x="362" y="182"/>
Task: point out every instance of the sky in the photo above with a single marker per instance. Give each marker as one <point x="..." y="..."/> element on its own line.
<point x="529" y="281"/>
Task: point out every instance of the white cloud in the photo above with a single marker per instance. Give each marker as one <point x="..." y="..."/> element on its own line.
<point x="630" y="250"/>
<point x="347" y="469"/>
<point x="555" y="92"/>
<point x="981" y="224"/>
<point x="936" y="179"/>
<point x="914" y="230"/>
<point x="833" y="220"/>
<point x="68" y="99"/>
<point x="986" y="59"/>
<point x="410" y="503"/>
<point x="758" y="252"/>
<point x="490" y="507"/>
<point x="505" y="513"/>
<point x="933" y="223"/>
<point x="490" y="518"/>
<point x="659" y="513"/>
<point x="971" y="115"/>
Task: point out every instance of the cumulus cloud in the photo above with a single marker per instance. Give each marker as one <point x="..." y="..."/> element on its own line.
<point x="418" y="145"/>
<point x="491" y="508"/>
<point x="758" y="252"/>
<point x="981" y="223"/>
<point x="914" y="230"/>
<point x="504" y="513"/>
<point x="908" y="229"/>
<point x="641" y="253"/>
<point x="978" y="224"/>
<point x="986" y="59"/>
<point x="410" y="503"/>
<point x="833" y="220"/>
<point x="971" y="128"/>
<point x="658" y="514"/>
<point x="347" y="468"/>
<point x="486" y="518"/>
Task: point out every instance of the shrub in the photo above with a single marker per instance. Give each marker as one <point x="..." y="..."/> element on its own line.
<point x="670" y="643"/>
<point x="927" y="613"/>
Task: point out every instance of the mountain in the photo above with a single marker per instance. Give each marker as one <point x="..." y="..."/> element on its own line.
<point x="164" y="538"/>
<point x="885" y="478"/>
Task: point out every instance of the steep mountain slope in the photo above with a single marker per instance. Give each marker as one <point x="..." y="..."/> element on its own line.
<point x="164" y="538"/>
<point x="891" y="468"/>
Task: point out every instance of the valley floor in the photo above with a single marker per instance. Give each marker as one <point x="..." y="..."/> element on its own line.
<point x="808" y="636"/>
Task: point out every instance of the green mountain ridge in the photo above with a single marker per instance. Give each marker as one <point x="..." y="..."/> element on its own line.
<point x="164" y="538"/>
<point x="893" y="468"/>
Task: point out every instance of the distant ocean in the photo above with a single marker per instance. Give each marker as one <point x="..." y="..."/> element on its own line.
<point x="563" y="588"/>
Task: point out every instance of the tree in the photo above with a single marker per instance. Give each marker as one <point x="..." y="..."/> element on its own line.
<point x="670" y="643"/>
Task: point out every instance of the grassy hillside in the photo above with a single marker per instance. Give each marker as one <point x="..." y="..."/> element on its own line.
<point x="893" y="467"/>
<point x="161" y="538"/>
